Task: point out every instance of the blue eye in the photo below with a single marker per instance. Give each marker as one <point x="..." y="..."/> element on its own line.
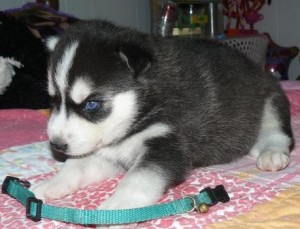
<point x="91" y="105"/>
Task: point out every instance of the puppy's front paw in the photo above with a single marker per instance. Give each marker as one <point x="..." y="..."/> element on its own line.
<point x="117" y="203"/>
<point x="52" y="189"/>
<point x="113" y="204"/>
<point x="272" y="160"/>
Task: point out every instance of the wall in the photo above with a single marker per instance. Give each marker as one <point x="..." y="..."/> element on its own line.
<point x="133" y="13"/>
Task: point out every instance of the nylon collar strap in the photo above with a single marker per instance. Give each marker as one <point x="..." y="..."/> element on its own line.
<point x="36" y="209"/>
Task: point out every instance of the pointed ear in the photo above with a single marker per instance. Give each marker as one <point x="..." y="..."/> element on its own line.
<point x="137" y="60"/>
<point x="51" y="42"/>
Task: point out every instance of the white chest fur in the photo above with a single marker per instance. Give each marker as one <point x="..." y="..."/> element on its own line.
<point x="129" y="151"/>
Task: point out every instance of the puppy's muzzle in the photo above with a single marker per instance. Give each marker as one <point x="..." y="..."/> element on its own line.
<point x="59" y="146"/>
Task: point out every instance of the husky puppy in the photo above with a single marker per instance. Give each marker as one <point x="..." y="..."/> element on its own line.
<point x="155" y="108"/>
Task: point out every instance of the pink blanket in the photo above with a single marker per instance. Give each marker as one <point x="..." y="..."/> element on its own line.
<point x="292" y="90"/>
<point x="21" y="126"/>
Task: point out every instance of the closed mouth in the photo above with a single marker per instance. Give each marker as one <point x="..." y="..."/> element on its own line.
<point x="71" y="156"/>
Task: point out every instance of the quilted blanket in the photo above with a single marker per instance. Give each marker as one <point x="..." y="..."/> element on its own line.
<point x="259" y="199"/>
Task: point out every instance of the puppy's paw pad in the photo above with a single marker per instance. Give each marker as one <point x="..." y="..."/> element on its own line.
<point x="272" y="160"/>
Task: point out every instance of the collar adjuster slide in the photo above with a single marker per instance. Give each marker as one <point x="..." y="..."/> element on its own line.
<point x="5" y="183"/>
<point x="34" y="214"/>
<point x="217" y="194"/>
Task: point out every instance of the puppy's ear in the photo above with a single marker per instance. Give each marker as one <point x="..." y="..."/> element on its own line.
<point x="137" y="60"/>
<point x="51" y="42"/>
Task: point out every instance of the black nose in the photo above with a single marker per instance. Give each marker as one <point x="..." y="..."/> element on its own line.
<point x="59" y="146"/>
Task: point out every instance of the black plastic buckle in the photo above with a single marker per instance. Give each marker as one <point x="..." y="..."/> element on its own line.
<point x="217" y="194"/>
<point x="38" y="211"/>
<point x="9" y="178"/>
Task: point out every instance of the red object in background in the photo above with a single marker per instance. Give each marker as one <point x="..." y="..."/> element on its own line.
<point x="168" y="18"/>
<point x="279" y="58"/>
<point x="52" y="3"/>
<point x="243" y="12"/>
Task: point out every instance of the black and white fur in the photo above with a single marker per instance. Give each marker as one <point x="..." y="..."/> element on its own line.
<point x="165" y="106"/>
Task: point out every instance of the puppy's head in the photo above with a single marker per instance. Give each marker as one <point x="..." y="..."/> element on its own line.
<point x="93" y="83"/>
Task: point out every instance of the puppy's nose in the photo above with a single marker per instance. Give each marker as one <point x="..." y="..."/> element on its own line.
<point x="59" y="146"/>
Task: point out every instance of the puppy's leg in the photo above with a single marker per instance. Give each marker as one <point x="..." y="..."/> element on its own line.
<point x="76" y="173"/>
<point x="272" y="148"/>
<point x="162" y="165"/>
<point x="140" y="187"/>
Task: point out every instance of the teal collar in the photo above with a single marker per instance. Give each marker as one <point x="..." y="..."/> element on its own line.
<point x="36" y="209"/>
